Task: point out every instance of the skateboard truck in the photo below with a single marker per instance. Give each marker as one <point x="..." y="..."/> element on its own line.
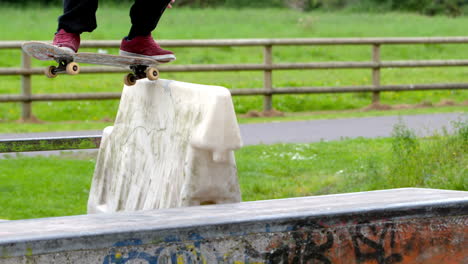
<point x="65" y="64"/>
<point x="140" y="72"/>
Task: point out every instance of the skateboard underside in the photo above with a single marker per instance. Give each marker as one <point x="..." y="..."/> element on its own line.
<point x="67" y="61"/>
<point x="112" y="60"/>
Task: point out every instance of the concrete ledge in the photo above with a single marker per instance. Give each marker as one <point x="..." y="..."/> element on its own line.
<point x="402" y="225"/>
<point x="172" y="145"/>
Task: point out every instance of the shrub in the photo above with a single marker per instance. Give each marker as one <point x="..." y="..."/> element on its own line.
<point x="428" y="7"/>
<point x="27" y="2"/>
<point x="436" y="161"/>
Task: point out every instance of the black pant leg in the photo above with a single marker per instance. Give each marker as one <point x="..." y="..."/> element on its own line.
<point x="145" y="15"/>
<point x="78" y="16"/>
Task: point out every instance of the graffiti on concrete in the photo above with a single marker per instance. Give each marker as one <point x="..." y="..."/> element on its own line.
<point x="117" y="257"/>
<point x="302" y="246"/>
<point x="368" y="249"/>
<point x="307" y="241"/>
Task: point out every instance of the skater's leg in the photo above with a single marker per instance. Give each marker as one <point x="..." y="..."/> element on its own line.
<point x="145" y="15"/>
<point x="78" y="16"/>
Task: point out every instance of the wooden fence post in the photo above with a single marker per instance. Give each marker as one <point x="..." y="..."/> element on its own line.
<point x="376" y="73"/>
<point x="267" y="77"/>
<point x="26" y="113"/>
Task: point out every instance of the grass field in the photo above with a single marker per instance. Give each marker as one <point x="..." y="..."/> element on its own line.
<point x="183" y="23"/>
<point x="59" y="185"/>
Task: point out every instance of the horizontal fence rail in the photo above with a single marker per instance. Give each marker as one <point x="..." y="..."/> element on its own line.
<point x="260" y="67"/>
<point x="49" y="143"/>
<point x="247" y="92"/>
<point x="267" y="42"/>
<point x="375" y="64"/>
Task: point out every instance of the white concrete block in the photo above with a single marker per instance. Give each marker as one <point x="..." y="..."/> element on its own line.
<point x="171" y="146"/>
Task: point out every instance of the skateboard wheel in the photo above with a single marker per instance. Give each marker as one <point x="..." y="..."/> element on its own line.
<point x="73" y="68"/>
<point x="51" y="72"/>
<point x="152" y="74"/>
<point x="130" y="79"/>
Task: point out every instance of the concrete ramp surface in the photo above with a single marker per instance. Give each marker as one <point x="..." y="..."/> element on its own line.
<point x="391" y="226"/>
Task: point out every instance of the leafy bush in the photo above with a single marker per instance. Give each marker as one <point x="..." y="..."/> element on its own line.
<point x="404" y="141"/>
<point x="438" y="161"/>
<point x="429" y="7"/>
<point x="191" y="3"/>
<point x="28" y="2"/>
<point x="231" y="3"/>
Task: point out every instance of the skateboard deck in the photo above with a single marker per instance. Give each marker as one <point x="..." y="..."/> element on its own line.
<point x="68" y="61"/>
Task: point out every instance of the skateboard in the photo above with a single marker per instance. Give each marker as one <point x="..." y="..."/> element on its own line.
<point x="68" y="61"/>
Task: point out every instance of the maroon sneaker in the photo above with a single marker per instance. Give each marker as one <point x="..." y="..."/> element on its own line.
<point x="67" y="41"/>
<point x="145" y="46"/>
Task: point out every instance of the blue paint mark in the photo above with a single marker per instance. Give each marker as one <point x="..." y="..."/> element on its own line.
<point x="129" y="242"/>
<point x="172" y="238"/>
<point x="195" y="236"/>
<point x="116" y="258"/>
<point x="159" y="250"/>
<point x="238" y="233"/>
<point x="197" y="239"/>
<point x="173" y="257"/>
<point x="132" y="255"/>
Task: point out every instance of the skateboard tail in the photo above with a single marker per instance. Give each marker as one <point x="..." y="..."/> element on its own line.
<point x="45" y="51"/>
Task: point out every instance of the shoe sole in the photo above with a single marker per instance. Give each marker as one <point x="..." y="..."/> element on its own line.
<point x="160" y="58"/>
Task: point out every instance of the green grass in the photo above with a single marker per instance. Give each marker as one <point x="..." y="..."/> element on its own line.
<point x="41" y="187"/>
<point x="39" y="23"/>
<point x="57" y="186"/>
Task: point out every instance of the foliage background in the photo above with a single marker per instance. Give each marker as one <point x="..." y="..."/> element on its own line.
<point x="427" y="7"/>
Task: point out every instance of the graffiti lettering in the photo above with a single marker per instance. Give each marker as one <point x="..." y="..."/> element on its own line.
<point x="304" y="247"/>
<point x="304" y="242"/>
<point x="367" y="249"/>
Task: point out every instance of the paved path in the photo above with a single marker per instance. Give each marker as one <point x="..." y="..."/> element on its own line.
<point x="312" y="131"/>
<point x="335" y="129"/>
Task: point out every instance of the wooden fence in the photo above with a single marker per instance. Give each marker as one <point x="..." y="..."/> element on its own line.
<point x="375" y="65"/>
